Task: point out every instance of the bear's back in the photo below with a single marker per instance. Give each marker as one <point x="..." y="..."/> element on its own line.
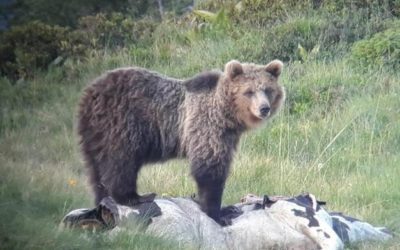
<point x="131" y="110"/>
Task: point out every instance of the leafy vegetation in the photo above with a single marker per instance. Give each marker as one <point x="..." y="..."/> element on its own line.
<point x="29" y="47"/>
<point x="67" y="13"/>
<point x="338" y="135"/>
<point x="35" y="46"/>
<point x="383" y="49"/>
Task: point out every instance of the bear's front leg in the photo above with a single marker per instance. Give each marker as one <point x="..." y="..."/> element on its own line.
<point x="210" y="175"/>
<point x="210" y="195"/>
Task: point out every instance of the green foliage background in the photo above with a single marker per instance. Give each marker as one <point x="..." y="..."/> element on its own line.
<point x="338" y="135"/>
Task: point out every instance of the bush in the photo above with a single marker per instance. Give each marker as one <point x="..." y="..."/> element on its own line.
<point x="282" y="41"/>
<point x="329" y="33"/>
<point x="67" y="13"/>
<point x="35" y="45"/>
<point x="114" y="30"/>
<point x="28" y="47"/>
<point x="383" y="49"/>
<point x="262" y="12"/>
<point x="373" y="7"/>
<point x="258" y="12"/>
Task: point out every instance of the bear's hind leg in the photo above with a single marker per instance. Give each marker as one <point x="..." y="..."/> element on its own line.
<point x="99" y="193"/>
<point x="98" y="188"/>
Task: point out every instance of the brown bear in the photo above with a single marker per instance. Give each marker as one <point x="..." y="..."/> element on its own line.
<point x="131" y="116"/>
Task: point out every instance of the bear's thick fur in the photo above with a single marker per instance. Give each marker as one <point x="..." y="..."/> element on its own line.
<point x="131" y="116"/>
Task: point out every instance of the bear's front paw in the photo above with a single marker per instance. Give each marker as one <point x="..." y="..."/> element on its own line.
<point x="227" y="214"/>
<point x="225" y="221"/>
<point x="139" y="199"/>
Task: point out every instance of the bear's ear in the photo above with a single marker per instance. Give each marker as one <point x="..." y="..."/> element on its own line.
<point x="202" y="82"/>
<point x="274" y="67"/>
<point x="233" y="69"/>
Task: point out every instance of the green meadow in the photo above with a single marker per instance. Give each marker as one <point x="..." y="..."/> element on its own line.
<point x="337" y="136"/>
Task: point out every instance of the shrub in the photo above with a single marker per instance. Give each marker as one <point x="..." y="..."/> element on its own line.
<point x="282" y="40"/>
<point x="383" y="49"/>
<point x="373" y="7"/>
<point x="345" y="26"/>
<point x="35" y="45"/>
<point x="262" y="12"/>
<point x="67" y="13"/>
<point x="28" y="47"/>
<point x="329" y="33"/>
<point x="256" y="11"/>
<point x="114" y="30"/>
<point x="214" y="6"/>
<point x="205" y="23"/>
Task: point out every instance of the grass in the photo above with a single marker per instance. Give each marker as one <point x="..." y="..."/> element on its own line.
<point x="338" y="137"/>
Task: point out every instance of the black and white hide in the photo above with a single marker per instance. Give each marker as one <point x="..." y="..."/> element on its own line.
<point x="255" y="223"/>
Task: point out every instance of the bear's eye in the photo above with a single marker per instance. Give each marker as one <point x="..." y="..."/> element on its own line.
<point x="268" y="91"/>
<point x="249" y="93"/>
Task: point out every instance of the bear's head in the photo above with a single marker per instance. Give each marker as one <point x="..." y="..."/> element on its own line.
<point x="247" y="94"/>
<point x="254" y="90"/>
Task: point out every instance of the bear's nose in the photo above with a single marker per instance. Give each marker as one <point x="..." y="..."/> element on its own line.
<point x="264" y="110"/>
